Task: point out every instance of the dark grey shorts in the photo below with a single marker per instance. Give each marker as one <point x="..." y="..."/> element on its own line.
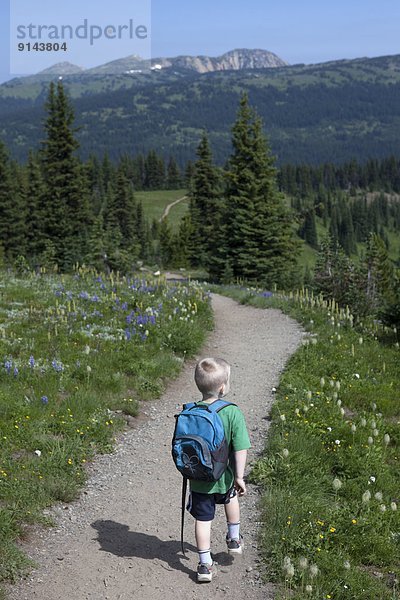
<point x="202" y="506"/>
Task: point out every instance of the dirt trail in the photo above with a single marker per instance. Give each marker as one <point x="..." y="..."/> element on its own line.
<point x="168" y="208"/>
<point x="120" y="539"/>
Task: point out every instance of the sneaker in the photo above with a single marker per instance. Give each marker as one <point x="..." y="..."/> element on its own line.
<point x="205" y="573"/>
<point x="235" y="546"/>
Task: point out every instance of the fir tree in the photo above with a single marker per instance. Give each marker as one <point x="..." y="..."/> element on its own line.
<point x="259" y="239"/>
<point x="174" y="181"/>
<point x="66" y="212"/>
<point x="205" y="208"/>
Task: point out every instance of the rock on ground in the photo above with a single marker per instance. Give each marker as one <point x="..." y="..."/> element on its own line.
<point x="120" y="540"/>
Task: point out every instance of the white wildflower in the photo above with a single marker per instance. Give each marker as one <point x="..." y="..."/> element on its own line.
<point x="372" y="478"/>
<point x="303" y="563"/>
<point x="373" y="424"/>
<point x="337" y="484"/>
<point x="285" y="453"/>
<point x="38" y="452"/>
<point x="283" y="418"/>
<point x="314" y="570"/>
<point x="322" y="382"/>
<point x="342" y="412"/>
<point x="338" y="385"/>
<point x="378" y="496"/>
<point x="309" y="589"/>
<point x="309" y="395"/>
<point x="87" y="350"/>
<point x="386" y="439"/>
<point x="346" y="565"/>
<point x="393" y="506"/>
<point x="89" y="369"/>
<point x="337" y="442"/>
<point x="353" y="428"/>
<point x="366" y="497"/>
<point x="370" y="441"/>
<point x="382" y="508"/>
<point x="375" y="432"/>
<point x="363" y="422"/>
<point x="339" y="403"/>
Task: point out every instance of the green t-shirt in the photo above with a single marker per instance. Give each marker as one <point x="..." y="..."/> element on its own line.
<point x="238" y="439"/>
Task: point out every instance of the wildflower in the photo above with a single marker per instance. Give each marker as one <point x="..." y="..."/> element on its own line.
<point x="329" y="428"/>
<point x="8" y="366"/>
<point x="309" y="589"/>
<point x="44" y="400"/>
<point x="378" y="496"/>
<point x="353" y="428"/>
<point x="314" y="570"/>
<point x="393" y="506"/>
<point x="283" y="418"/>
<point x="38" y="453"/>
<point x="337" y="484"/>
<point x="285" y="453"/>
<point x="386" y="439"/>
<point x="382" y="508"/>
<point x="339" y="403"/>
<point x="354" y="521"/>
<point x="337" y="442"/>
<point x="322" y="382"/>
<point x="309" y="395"/>
<point x="332" y="529"/>
<point x="16" y="371"/>
<point x="370" y="441"/>
<point x="363" y="422"/>
<point x="289" y="571"/>
<point x="88" y="369"/>
<point x="332" y="383"/>
<point x="346" y="565"/>
<point x="31" y="362"/>
<point x="338" y="385"/>
<point x="373" y="424"/>
<point x="303" y="563"/>
<point x="373" y="406"/>
<point x="286" y="562"/>
<point x="87" y="350"/>
<point x="356" y="375"/>
<point x="342" y="412"/>
<point x="372" y="478"/>
<point x="375" y="432"/>
<point x="366" y="497"/>
<point x="360" y="340"/>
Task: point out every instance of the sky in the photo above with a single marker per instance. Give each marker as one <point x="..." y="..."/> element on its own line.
<point x="299" y="31"/>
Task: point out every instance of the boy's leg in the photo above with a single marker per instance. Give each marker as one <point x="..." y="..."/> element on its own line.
<point x="233" y="537"/>
<point x="202" y="530"/>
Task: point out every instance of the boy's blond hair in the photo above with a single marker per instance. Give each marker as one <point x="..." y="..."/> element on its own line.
<point x="210" y="374"/>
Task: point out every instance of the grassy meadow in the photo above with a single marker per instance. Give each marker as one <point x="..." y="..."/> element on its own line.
<point x="330" y="472"/>
<point x="78" y="354"/>
<point x="155" y="202"/>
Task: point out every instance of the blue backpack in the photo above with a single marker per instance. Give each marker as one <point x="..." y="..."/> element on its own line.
<point x="199" y="448"/>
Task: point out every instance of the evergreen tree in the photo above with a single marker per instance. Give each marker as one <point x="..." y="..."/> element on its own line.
<point x="309" y="229"/>
<point x="166" y="244"/>
<point x="35" y="190"/>
<point x="12" y="209"/>
<point x="259" y="240"/>
<point x="205" y="208"/>
<point x="174" y="181"/>
<point x="66" y="211"/>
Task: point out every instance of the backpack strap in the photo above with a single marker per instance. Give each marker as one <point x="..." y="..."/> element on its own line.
<point x="184" y="489"/>
<point x="218" y="405"/>
<point x="189" y="405"/>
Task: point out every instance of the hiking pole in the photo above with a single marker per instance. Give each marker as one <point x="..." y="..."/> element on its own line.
<point x="184" y="488"/>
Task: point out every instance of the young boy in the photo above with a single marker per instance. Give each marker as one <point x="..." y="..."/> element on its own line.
<point x="212" y="378"/>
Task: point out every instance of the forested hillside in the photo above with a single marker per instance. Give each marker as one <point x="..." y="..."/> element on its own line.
<point x="332" y="112"/>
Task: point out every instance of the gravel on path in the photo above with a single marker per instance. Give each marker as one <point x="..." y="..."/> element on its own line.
<point x="120" y="539"/>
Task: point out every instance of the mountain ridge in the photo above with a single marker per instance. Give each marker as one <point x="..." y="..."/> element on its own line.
<point x="327" y="112"/>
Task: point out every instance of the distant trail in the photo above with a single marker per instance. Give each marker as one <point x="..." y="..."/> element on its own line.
<point x="168" y="208"/>
<point x="120" y="539"/>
